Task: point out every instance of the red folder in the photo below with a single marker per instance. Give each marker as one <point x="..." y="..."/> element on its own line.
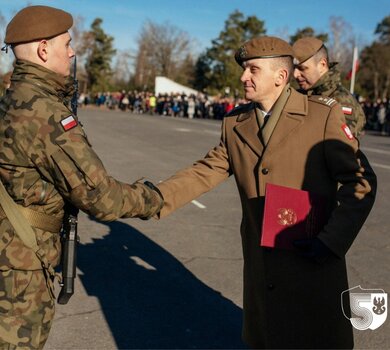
<point x="291" y="214"/>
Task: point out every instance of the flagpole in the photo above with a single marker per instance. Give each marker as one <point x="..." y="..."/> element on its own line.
<point x="354" y="61"/>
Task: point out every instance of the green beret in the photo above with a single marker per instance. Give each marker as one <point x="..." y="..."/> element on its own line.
<point x="305" y="48"/>
<point x="37" y="22"/>
<point x="263" y="47"/>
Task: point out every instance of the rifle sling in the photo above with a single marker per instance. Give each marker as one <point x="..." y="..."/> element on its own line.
<point x="22" y="219"/>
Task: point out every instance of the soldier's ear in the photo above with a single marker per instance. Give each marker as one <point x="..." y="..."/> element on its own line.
<point x="43" y="50"/>
<point x="281" y="76"/>
<point x="323" y="65"/>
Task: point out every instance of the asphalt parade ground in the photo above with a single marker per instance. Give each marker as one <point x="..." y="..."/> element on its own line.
<point x="177" y="283"/>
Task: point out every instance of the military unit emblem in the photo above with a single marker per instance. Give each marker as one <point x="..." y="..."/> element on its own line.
<point x="242" y="52"/>
<point x="368" y="306"/>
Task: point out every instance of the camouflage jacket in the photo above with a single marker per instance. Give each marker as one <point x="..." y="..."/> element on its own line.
<point x="329" y="85"/>
<point x="46" y="159"/>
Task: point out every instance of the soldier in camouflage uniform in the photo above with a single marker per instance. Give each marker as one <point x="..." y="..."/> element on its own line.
<point x="46" y="160"/>
<point x="6" y="83"/>
<point x="316" y="76"/>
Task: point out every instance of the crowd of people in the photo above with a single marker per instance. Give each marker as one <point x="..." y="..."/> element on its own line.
<point x="377" y="115"/>
<point x="206" y="107"/>
<point x="287" y="140"/>
<point x="174" y="104"/>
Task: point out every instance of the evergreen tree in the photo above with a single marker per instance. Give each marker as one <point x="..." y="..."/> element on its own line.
<point x="98" y="63"/>
<point x="216" y="69"/>
<point x="307" y="32"/>
<point x="374" y="72"/>
<point x="383" y="30"/>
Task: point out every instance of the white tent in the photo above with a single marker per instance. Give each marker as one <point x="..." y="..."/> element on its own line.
<point x="164" y="85"/>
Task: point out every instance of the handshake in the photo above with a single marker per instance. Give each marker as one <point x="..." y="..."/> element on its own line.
<point x="154" y="200"/>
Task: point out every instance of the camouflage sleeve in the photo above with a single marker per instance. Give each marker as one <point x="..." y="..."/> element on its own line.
<point x="352" y="110"/>
<point x="80" y="177"/>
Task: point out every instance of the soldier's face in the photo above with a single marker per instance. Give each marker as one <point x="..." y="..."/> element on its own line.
<point x="308" y="73"/>
<point x="258" y="78"/>
<point x="60" y="54"/>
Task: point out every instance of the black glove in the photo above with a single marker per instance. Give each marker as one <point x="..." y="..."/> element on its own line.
<point x="154" y="188"/>
<point x="313" y="249"/>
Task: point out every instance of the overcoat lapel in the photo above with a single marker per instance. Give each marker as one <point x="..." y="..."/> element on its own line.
<point x="290" y="119"/>
<point x="248" y="130"/>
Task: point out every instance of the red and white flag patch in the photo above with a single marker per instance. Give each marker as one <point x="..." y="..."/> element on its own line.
<point x="347" y="110"/>
<point x="347" y="131"/>
<point x="69" y="123"/>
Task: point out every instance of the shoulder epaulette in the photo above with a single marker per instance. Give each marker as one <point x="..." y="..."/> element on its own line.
<point x="327" y="101"/>
<point x="240" y="109"/>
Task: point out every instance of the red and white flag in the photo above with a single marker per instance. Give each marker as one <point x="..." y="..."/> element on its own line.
<point x="347" y="110"/>
<point x="347" y="131"/>
<point x="68" y="123"/>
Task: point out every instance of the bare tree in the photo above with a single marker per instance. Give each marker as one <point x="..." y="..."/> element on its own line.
<point x="162" y="50"/>
<point x="342" y="42"/>
<point x="123" y="68"/>
<point x="81" y="43"/>
<point x="5" y="60"/>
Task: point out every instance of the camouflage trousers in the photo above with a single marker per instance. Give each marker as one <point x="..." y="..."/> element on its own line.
<point x="26" y="309"/>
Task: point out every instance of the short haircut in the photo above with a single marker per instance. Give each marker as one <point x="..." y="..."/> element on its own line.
<point x="285" y="62"/>
<point x="322" y="53"/>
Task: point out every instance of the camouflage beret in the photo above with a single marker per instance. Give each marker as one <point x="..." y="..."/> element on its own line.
<point x="37" y="22"/>
<point x="263" y="47"/>
<point x="305" y="48"/>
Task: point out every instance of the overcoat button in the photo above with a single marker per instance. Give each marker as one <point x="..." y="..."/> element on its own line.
<point x="271" y="286"/>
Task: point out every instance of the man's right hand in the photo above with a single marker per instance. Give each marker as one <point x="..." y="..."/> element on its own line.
<point x="155" y="202"/>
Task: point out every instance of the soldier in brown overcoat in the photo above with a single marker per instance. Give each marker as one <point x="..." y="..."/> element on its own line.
<point x="291" y="298"/>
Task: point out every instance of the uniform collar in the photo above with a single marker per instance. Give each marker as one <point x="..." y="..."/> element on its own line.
<point x="297" y="103"/>
<point x="47" y="80"/>
<point x="328" y="83"/>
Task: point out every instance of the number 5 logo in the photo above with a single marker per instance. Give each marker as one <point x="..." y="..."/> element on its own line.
<point x="368" y="305"/>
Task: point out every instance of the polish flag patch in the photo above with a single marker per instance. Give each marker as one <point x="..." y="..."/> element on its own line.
<point x="69" y="123"/>
<point x="347" y="131"/>
<point x="347" y="110"/>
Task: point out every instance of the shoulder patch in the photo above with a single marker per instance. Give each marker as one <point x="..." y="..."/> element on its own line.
<point x="347" y="131"/>
<point x="328" y="101"/>
<point x="69" y="122"/>
<point x="240" y="109"/>
<point x="346" y="110"/>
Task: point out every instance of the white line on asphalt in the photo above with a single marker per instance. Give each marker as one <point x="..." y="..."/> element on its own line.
<point x="199" y="205"/>
<point x="212" y="132"/>
<point x="380" y="165"/>
<point x="374" y="150"/>
<point x="183" y="129"/>
<point x="140" y="262"/>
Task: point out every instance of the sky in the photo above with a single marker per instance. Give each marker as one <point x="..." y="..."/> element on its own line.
<point x="204" y="19"/>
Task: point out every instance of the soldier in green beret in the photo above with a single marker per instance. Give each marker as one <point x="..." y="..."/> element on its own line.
<point x="317" y="76"/>
<point x="282" y="137"/>
<point x="45" y="161"/>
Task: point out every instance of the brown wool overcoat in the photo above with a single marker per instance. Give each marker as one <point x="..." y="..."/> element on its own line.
<point x="289" y="301"/>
